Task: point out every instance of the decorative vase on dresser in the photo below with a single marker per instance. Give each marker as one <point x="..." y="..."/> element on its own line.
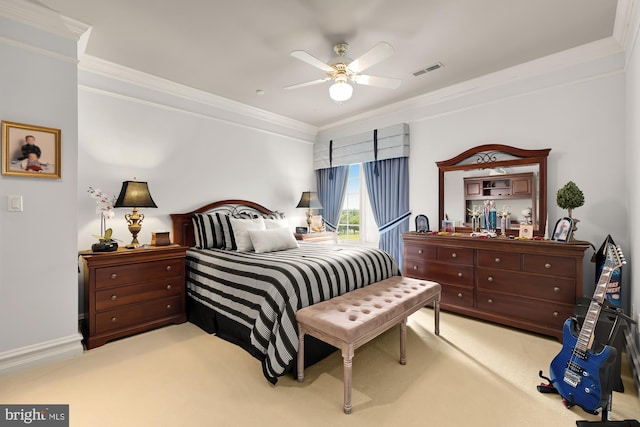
<point x="132" y="290"/>
<point x="528" y="284"/>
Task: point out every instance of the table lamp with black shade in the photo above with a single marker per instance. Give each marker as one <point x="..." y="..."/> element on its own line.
<point x="134" y="194"/>
<point x="309" y="200"/>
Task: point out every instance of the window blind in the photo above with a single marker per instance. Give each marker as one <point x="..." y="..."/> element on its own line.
<point x="393" y="142"/>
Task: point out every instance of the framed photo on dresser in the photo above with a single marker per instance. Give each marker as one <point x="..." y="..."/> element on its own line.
<point x="562" y="230"/>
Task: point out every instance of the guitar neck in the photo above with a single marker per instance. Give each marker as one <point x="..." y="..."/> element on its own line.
<point x="585" y="339"/>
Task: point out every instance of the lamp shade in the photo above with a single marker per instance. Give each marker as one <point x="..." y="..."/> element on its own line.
<point x="309" y="199"/>
<point x="134" y="194"/>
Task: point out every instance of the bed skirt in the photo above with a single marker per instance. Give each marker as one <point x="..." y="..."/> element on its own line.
<point x="213" y="322"/>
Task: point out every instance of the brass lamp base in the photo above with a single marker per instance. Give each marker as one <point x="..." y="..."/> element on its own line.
<point x="134" y="220"/>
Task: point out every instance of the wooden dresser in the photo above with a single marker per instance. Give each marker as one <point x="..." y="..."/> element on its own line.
<point x="527" y="284"/>
<point x="132" y="290"/>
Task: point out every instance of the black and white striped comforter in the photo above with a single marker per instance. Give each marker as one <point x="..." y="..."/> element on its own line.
<point x="264" y="291"/>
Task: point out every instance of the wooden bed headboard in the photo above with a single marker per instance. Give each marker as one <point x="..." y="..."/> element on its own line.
<point x="183" y="226"/>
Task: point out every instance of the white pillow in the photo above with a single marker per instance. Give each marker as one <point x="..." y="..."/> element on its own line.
<point x="276" y="223"/>
<point x="274" y="239"/>
<point x="241" y="227"/>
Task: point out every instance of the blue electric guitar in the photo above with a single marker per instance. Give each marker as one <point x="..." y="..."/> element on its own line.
<point x="578" y="374"/>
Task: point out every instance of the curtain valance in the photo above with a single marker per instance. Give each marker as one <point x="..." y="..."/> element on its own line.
<point x="392" y="142"/>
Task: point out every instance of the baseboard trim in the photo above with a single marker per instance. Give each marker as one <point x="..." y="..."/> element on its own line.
<point x="40" y="354"/>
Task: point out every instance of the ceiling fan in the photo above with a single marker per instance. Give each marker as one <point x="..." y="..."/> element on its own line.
<point x="343" y="69"/>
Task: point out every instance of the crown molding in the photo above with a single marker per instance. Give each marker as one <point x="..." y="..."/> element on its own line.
<point x="112" y="70"/>
<point x="42" y="18"/>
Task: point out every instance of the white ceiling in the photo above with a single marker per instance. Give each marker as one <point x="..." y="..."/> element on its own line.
<point x="235" y="48"/>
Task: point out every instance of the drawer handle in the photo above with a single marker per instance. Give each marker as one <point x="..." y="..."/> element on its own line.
<point x="114" y="275"/>
<point x="169" y="307"/>
<point x="547" y="266"/>
<point x="168" y="287"/>
<point x="420" y="251"/>
<point x="490" y="278"/>
<point x="556" y="314"/>
<point x="454" y="255"/>
<point x="415" y="267"/>
<point x="460" y="295"/>
<point x="114" y="319"/>
<point x="556" y="289"/>
<point x="497" y="260"/>
<point x="168" y="268"/>
<point x="490" y="301"/>
<point x="460" y="274"/>
<point x="114" y="297"/>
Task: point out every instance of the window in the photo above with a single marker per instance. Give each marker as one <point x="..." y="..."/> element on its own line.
<point x="356" y="222"/>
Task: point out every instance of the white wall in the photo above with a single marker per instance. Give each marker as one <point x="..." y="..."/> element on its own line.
<point x="632" y="154"/>
<point x="582" y="121"/>
<point x="38" y="247"/>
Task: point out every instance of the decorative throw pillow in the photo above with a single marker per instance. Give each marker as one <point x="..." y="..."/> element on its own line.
<point x="240" y="228"/>
<point x="276" y="223"/>
<point x="271" y="240"/>
<point x="207" y="231"/>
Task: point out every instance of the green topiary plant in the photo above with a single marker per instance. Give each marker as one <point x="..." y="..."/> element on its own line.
<point x="570" y="197"/>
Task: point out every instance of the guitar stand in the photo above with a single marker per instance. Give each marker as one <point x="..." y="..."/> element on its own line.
<point x="620" y="318"/>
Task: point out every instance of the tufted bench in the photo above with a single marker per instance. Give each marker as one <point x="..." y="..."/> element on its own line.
<point x="353" y="319"/>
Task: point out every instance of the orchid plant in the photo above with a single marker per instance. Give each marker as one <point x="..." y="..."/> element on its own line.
<point x="105" y="210"/>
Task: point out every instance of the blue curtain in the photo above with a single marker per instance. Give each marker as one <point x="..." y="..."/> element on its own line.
<point x="332" y="184"/>
<point x="388" y="189"/>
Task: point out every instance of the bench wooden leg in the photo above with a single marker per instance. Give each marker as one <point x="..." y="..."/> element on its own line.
<point x="300" y="355"/>
<point x="436" y="315"/>
<point x="403" y="341"/>
<point x="348" y="372"/>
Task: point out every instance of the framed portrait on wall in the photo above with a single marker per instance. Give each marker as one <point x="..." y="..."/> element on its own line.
<point x="562" y="230"/>
<point x="30" y="151"/>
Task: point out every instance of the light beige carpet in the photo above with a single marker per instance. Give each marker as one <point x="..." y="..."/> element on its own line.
<point x="475" y="374"/>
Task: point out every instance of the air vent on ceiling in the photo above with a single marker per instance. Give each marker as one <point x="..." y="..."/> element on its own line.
<point x="428" y="69"/>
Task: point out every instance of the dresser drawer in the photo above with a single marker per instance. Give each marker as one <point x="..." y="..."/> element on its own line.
<point x="137" y="314"/>
<point x="549" y="314"/>
<point x="417" y="251"/>
<point x="456" y="295"/>
<point x="550" y="266"/>
<point x="455" y="255"/>
<point x="449" y="273"/>
<point x="499" y="259"/>
<point x="557" y="289"/>
<point x="116" y="297"/>
<point x="142" y="272"/>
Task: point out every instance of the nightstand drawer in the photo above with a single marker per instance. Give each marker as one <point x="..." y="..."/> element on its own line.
<point x="123" y="295"/>
<point x="137" y="314"/>
<point x="132" y="273"/>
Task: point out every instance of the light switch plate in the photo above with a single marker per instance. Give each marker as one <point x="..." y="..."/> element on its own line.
<point x="14" y="203"/>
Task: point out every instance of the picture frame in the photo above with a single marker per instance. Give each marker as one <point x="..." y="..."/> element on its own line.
<point x="37" y="158"/>
<point x="526" y="231"/>
<point x="422" y="224"/>
<point x="448" y="226"/>
<point x="563" y="229"/>
<point x="317" y="224"/>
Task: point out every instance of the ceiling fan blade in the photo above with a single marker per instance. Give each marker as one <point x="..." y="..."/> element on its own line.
<point x="379" y="52"/>
<point x="311" y="60"/>
<point x="311" y="83"/>
<point x="385" y="82"/>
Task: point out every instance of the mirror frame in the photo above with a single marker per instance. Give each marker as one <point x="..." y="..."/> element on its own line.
<point x="486" y="157"/>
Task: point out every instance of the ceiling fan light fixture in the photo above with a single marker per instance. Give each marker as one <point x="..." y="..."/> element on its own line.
<point x="340" y="91"/>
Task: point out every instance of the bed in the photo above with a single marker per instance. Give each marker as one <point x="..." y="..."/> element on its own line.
<point x="249" y="296"/>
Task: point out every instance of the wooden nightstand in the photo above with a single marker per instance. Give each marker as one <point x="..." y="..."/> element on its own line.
<point x="132" y="290"/>
<point x="322" y="237"/>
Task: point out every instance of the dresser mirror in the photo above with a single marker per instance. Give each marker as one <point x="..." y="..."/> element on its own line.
<point x="513" y="180"/>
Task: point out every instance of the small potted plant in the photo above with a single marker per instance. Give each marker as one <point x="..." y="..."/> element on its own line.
<point x="570" y="197"/>
<point x="105" y="209"/>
